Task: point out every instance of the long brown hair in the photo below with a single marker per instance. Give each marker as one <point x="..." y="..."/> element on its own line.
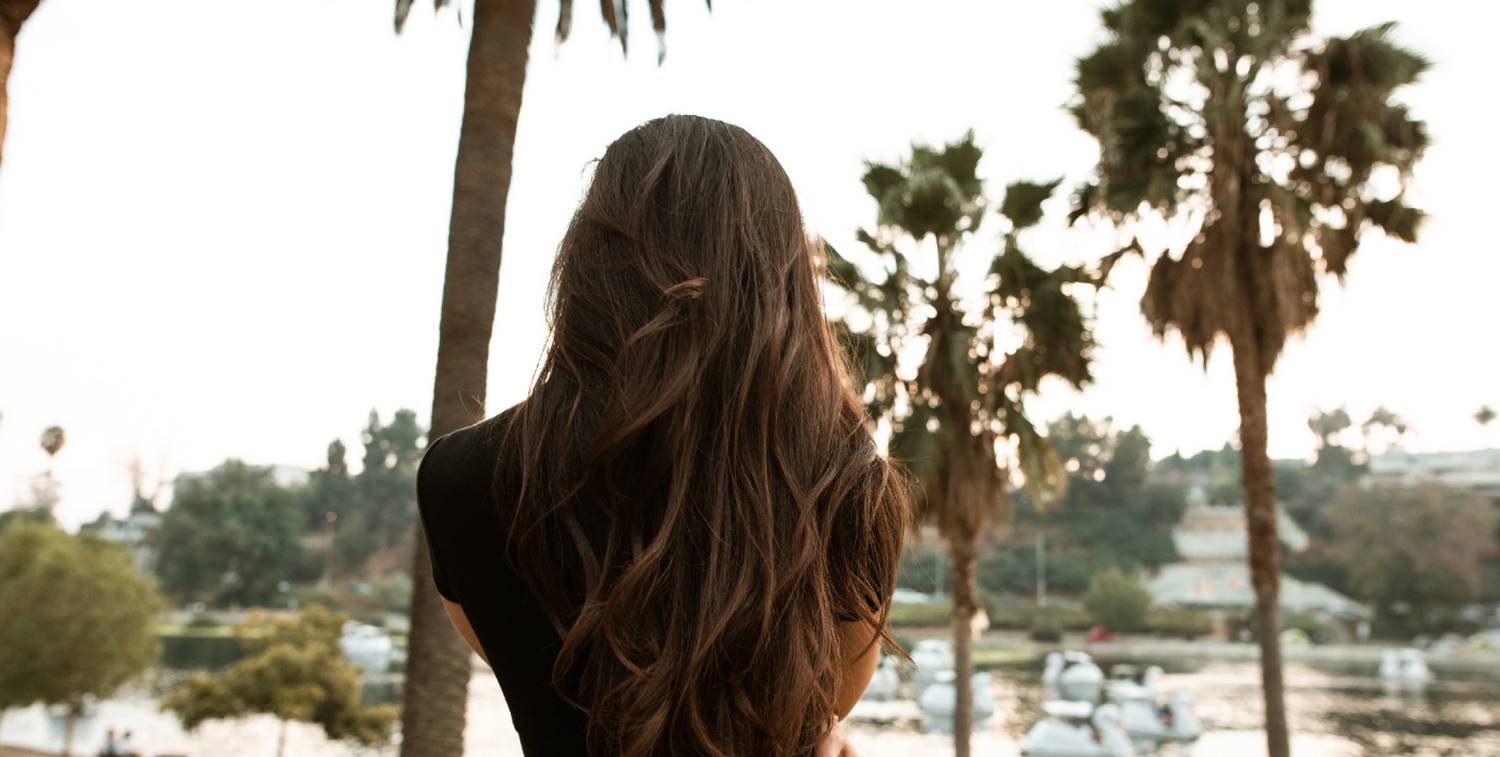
<point x="690" y="488"/>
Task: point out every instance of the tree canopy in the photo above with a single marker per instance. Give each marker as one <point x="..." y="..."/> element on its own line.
<point x="297" y="673"/>
<point x="76" y="618"/>
<point x="1419" y="548"/>
<point x="230" y="536"/>
<point x="1112" y="505"/>
<point x="1117" y="601"/>
<point x="984" y="345"/>
<point x="375" y="509"/>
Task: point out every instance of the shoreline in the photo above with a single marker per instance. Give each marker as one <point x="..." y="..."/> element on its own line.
<point x="1013" y="647"/>
<point x="20" y="751"/>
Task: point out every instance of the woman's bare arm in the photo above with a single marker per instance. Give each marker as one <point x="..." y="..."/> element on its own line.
<point x="461" y="622"/>
<point x="862" y="657"/>
<point x="856" y="638"/>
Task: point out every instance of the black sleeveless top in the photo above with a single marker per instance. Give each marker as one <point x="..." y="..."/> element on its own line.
<point x="470" y="568"/>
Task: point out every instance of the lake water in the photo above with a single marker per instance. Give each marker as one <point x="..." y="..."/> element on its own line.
<point x="1335" y="712"/>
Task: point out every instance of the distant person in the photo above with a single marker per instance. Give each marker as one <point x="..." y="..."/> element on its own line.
<point x="126" y="746"/>
<point x="684" y="540"/>
<point x="111" y="746"/>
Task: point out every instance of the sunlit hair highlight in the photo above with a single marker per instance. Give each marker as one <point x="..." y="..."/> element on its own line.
<point x="690" y="488"/>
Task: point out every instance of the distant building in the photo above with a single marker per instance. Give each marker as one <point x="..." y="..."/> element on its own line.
<point x="134" y="531"/>
<point x="1216" y="533"/>
<point x="1478" y="470"/>
<point x="1215" y="574"/>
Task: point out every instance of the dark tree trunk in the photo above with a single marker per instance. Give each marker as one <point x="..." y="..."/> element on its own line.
<point x="13" y="13"/>
<point x="962" y="550"/>
<point x="438" y="663"/>
<point x="1265" y="546"/>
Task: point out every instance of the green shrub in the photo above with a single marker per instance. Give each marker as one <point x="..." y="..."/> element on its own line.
<point x="312" y="595"/>
<point x="1303" y="621"/>
<point x="199" y="652"/>
<point x="1045" y="629"/>
<point x="1019" y="617"/>
<point x="930" y="615"/>
<point x="204" y="621"/>
<point x="1179" y="622"/>
<point x="1117" y="601"/>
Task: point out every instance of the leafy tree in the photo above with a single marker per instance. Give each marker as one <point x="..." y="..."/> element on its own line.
<point x="1423" y="547"/>
<point x="232" y="536"/>
<point x="29" y="513"/>
<point x="330" y="500"/>
<point x="1011" y="568"/>
<point x="52" y="442"/>
<point x="377" y="508"/>
<point x="76" y="619"/>
<point x="388" y="484"/>
<point x="354" y="540"/>
<point x="1333" y="459"/>
<point x="1112" y="506"/>
<point x="44" y="488"/>
<point x="438" y="663"/>
<point x="1117" y="601"/>
<point x="1271" y="147"/>
<point x="950" y="411"/>
<point x="1382" y="418"/>
<point x="297" y="673"/>
<point x="330" y="489"/>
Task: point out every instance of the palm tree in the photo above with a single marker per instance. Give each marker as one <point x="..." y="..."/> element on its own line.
<point x="438" y="669"/>
<point x="1484" y="416"/>
<point x="13" y="13"/>
<point x="1277" y="151"/>
<point x="984" y="346"/>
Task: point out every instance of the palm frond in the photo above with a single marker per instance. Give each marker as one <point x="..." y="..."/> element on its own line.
<point x="1023" y="201"/>
<point x="564" y="22"/>
<point x="1395" y="218"/>
<point x="403" y="9"/>
<point x="1045" y="479"/>
<point x="1114" y="66"/>
<point x="880" y="179"/>
<point x="1369" y="59"/>
<point x="607" y="12"/>
<point x="659" y="25"/>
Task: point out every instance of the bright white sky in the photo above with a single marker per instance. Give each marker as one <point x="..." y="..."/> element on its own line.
<point x="222" y="225"/>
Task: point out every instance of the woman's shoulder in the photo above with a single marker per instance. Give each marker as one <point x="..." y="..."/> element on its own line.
<point x="479" y="442"/>
<point x="467" y="455"/>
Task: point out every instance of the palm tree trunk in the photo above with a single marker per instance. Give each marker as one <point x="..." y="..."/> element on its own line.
<point x="1265" y="546"/>
<point x="962" y="550"/>
<point x="13" y="13"/>
<point x="438" y="667"/>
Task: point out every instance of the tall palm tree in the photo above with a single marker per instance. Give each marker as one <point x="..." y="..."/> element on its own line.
<point x="1279" y="150"/>
<point x="13" y="13"/>
<point x="438" y="668"/>
<point x="985" y="345"/>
